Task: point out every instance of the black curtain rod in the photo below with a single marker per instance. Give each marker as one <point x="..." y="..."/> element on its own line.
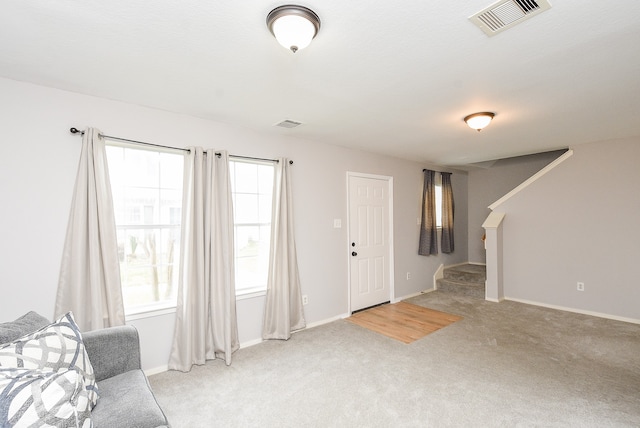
<point x="437" y="171"/>
<point x="77" y="131"/>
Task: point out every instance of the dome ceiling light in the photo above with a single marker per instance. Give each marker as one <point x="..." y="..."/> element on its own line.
<point x="293" y="26"/>
<point x="479" y="121"/>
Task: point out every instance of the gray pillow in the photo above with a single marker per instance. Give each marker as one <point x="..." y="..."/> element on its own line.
<point x="28" y="323"/>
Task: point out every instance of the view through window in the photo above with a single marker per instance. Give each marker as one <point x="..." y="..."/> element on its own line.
<point x="147" y="195"/>
<point x="438" y="191"/>
<point x="252" y="188"/>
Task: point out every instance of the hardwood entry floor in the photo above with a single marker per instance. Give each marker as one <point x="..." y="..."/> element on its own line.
<point x="403" y="321"/>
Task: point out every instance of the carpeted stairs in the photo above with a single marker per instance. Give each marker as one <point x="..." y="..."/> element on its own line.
<point x="464" y="279"/>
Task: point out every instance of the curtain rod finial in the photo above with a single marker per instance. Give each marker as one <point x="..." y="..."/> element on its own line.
<point x="76" y="131"/>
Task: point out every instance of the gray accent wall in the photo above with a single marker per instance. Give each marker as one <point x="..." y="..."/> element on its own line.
<point x="492" y="182"/>
<point x="580" y="222"/>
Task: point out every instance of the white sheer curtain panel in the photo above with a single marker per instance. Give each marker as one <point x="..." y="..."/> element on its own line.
<point x="89" y="283"/>
<point x="206" y="325"/>
<point x="283" y="311"/>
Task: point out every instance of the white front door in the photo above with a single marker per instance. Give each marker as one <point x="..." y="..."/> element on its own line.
<point x="370" y="255"/>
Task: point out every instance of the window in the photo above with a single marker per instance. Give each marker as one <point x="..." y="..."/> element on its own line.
<point x="147" y="198"/>
<point x="251" y="188"/>
<point x="438" y="189"/>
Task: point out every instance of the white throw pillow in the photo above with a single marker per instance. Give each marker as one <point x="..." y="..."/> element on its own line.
<point x="53" y="348"/>
<point x="43" y="399"/>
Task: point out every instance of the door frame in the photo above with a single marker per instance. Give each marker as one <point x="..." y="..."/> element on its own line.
<point x="389" y="181"/>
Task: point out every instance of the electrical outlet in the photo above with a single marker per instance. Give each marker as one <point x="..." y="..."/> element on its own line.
<point x="305" y="299"/>
<point x="580" y="286"/>
<point x="408" y="276"/>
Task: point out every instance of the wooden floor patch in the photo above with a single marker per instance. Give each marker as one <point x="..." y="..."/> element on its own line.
<point x="403" y="321"/>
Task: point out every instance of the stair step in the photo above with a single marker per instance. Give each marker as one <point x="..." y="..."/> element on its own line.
<point x="461" y="287"/>
<point x="464" y="279"/>
<point x="468" y="273"/>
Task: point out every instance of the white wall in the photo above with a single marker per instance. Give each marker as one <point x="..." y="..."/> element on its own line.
<point x="580" y="222"/>
<point x="38" y="162"/>
<point x="488" y="185"/>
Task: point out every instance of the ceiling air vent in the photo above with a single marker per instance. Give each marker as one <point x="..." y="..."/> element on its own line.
<point x="507" y="13"/>
<point x="288" y="124"/>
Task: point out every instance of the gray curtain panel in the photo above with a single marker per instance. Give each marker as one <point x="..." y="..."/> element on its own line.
<point x="89" y="282"/>
<point x="206" y="324"/>
<point x="428" y="231"/>
<point x="283" y="311"/>
<point x="448" y="209"/>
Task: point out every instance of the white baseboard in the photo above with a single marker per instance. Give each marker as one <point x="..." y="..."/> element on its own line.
<point x="577" y="311"/>
<point x="409" y="296"/>
<point x="250" y="343"/>
<point x="327" y="321"/>
<point x="156" y="370"/>
<point x="310" y="325"/>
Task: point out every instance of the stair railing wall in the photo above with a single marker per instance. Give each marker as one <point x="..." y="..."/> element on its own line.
<point x="494" y="287"/>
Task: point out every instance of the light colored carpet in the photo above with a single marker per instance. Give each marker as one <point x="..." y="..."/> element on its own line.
<point x="403" y="321"/>
<point x="503" y="365"/>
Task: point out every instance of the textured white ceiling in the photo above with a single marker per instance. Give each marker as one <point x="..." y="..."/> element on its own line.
<point x="388" y="77"/>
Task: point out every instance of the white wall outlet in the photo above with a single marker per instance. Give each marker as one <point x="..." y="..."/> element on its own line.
<point x="305" y="299"/>
<point x="580" y="286"/>
<point x="337" y="223"/>
<point x="408" y="276"/>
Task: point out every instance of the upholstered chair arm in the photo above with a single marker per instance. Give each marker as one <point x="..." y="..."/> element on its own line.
<point x="113" y="350"/>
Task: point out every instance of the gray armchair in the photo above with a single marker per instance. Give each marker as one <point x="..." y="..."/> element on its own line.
<point x="126" y="399"/>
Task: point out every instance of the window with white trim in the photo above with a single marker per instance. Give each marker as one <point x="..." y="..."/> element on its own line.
<point x="252" y="189"/>
<point x="438" y="192"/>
<point x="147" y="196"/>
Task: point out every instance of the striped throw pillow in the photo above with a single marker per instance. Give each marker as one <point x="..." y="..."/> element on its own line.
<point x="30" y="398"/>
<point x="55" y="347"/>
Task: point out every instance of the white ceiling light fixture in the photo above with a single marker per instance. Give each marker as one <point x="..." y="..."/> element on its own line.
<point x="479" y="121"/>
<point x="293" y="26"/>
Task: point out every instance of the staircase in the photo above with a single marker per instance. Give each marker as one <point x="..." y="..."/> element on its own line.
<point x="464" y="279"/>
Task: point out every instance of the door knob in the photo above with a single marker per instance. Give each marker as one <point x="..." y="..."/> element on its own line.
<point x="353" y="253"/>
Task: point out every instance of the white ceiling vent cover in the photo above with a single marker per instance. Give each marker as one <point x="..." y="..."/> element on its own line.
<point x="507" y="13"/>
<point x="288" y="124"/>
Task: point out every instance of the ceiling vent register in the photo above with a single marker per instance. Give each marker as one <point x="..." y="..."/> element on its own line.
<point x="507" y="13"/>
<point x="288" y="124"/>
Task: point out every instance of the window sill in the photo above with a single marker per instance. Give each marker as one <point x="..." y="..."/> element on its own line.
<point x="250" y="294"/>
<point x="170" y="308"/>
<point x="149" y="311"/>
